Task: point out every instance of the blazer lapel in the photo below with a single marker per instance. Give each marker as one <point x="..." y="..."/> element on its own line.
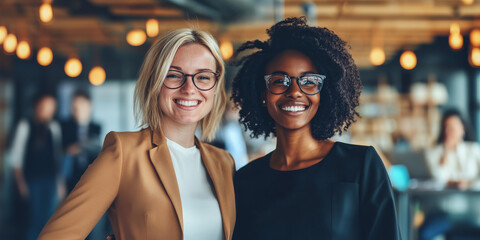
<point x="162" y="162"/>
<point x="217" y="175"/>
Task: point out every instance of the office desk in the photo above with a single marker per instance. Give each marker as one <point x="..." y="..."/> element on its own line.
<point x="459" y="205"/>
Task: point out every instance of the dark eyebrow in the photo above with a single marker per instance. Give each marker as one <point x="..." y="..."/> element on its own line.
<point x="303" y="73"/>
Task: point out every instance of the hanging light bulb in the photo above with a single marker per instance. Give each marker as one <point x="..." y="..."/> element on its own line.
<point x="44" y="56"/>
<point x="475" y="57"/>
<point x="468" y="2"/>
<point x="152" y="27"/>
<point x="46" y="13"/>
<point x="10" y="43"/>
<point x="455" y="41"/>
<point x="136" y="37"/>
<point x="3" y="33"/>
<point x="73" y="67"/>
<point x="97" y="76"/>
<point x="23" y="50"/>
<point x="377" y="56"/>
<point x="475" y="37"/>
<point x="226" y="48"/>
<point x="454" y="28"/>
<point x="408" y="60"/>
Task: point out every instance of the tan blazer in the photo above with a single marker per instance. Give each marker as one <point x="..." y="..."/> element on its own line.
<point x="134" y="179"/>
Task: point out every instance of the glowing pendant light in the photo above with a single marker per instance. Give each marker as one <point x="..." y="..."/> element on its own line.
<point x="3" y="34"/>
<point x="377" y="56"/>
<point x="136" y="37"/>
<point x="46" y="13"/>
<point x="97" y="76"/>
<point x="23" y="50"/>
<point x="73" y="67"/>
<point x="408" y="60"/>
<point x="10" y="43"/>
<point x="44" y="56"/>
<point x="152" y="27"/>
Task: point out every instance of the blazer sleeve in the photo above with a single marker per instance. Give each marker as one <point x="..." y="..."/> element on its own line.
<point x="91" y="197"/>
<point x="378" y="212"/>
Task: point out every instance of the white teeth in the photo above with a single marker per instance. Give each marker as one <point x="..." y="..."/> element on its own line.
<point x="293" y="108"/>
<point x="187" y="103"/>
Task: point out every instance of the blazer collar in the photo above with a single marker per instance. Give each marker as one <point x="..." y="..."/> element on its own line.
<point x="162" y="162"/>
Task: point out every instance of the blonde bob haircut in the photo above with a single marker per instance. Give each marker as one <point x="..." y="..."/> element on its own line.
<point x="154" y="70"/>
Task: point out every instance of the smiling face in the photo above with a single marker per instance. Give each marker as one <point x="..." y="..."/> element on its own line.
<point x="187" y="105"/>
<point x="293" y="109"/>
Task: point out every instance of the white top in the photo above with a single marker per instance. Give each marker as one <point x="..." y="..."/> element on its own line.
<point x="201" y="213"/>
<point x="461" y="164"/>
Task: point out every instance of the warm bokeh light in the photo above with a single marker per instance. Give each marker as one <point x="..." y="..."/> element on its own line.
<point x="97" y="76"/>
<point x="136" y="37"/>
<point x="226" y="47"/>
<point x="454" y="28"/>
<point x="455" y="41"/>
<point x="73" y="67"/>
<point x="475" y="57"/>
<point x="23" y="50"/>
<point x="408" y="60"/>
<point x="3" y="33"/>
<point x="377" y="56"/>
<point x="46" y="12"/>
<point x="10" y="43"/>
<point x="152" y="27"/>
<point x="468" y="2"/>
<point x="475" y="37"/>
<point x="44" y="56"/>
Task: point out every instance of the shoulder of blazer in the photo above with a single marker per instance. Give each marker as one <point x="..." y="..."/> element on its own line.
<point x="135" y="139"/>
<point x="226" y="157"/>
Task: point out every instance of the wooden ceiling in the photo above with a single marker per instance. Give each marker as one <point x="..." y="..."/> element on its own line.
<point x="392" y="24"/>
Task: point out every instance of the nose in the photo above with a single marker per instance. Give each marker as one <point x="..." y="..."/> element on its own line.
<point x="188" y="87"/>
<point x="294" y="90"/>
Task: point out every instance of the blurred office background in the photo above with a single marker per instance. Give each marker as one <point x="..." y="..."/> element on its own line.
<point x="417" y="58"/>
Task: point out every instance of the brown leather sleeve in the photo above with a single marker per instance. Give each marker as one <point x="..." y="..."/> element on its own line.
<point x="92" y="196"/>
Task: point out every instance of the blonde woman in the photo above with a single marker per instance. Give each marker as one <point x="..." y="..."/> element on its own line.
<point x="162" y="182"/>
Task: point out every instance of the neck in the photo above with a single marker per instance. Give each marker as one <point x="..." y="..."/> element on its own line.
<point x="181" y="134"/>
<point x="297" y="149"/>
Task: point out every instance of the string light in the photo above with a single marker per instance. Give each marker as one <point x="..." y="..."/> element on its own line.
<point x="46" y="13"/>
<point x="23" y="50"/>
<point x="226" y="47"/>
<point x="73" y="67"/>
<point x="408" y="60"/>
<point x="475" y="57"/>
<point x="44" y="56"/>
<point x="97" y="76"/>
<point x="475" y="37"/>
<point x="3" y="33"/>
<point x="152" y="27"/>
<point x="10" y="43"/>
<point x="136" y="37"/>
<point x="455" y="41"/>
<point x="377" y="56"/>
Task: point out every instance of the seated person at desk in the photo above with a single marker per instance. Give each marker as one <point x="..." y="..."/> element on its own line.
<point x="455" y="160"/>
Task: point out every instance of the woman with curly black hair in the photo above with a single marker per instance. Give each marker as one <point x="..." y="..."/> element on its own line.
<point x="303" y="86"/>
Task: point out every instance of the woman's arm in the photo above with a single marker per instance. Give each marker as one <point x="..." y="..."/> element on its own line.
<point x="90" y="198"/>
<point x="377" y="205"/>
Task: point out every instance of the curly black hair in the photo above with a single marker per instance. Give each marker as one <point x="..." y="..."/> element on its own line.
<point x="329" y="54"/>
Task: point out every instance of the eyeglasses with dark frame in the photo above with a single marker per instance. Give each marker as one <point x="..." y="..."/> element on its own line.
<point x="279" y="83"/>
<point x="203" y="81"/>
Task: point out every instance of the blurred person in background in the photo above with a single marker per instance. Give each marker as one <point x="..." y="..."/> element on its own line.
<point x="303" y="86"/>
<point x="230" y="137"/>
<point x="455" y="160"/>
<point x="80" y="139"/>
<point x="81" y="143"/>
<point x="162" y="182"/>
<point x="36" y="161"/>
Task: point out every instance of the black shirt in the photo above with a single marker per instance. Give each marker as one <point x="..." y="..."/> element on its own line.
<point x="346" y="196"/>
